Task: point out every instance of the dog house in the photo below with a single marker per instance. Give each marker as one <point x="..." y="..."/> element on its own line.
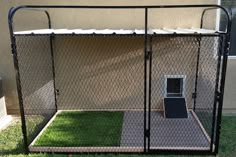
<point x="142" y="90"/>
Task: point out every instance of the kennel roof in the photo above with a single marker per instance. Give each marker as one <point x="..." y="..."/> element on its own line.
<point x="117" y="31"/>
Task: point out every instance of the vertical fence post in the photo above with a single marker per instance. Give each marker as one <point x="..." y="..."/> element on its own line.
<point x="199" y="39"/>
<point x="222" y="82"/>
<point x="150" y="91"/>
<point x="216" y="95"/>
<point x="20" y="98"/>
<point x="53" y="70"/>
<point x="52" y="59"/>
<point x="18" y="81"/>
<point x="145" y="79"/>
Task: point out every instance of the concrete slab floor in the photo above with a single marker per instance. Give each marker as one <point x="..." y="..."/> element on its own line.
<point x="164" y="132"/>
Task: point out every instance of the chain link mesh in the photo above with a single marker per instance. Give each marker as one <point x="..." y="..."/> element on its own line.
<point x="178" y="57"/>
<point x="100" y="91"/>
<point x="100" y="87"/>
<point x="35" y="67"/>
<point x="210" y="65"/>
<point x="99" y="73"/>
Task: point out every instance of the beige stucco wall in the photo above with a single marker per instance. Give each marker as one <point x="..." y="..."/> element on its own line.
<point x="101" y="73"/>
<point x="187" y="18"/>
<point x="230" y="87"/>
<point x="110" y="78"/>
<point x="173" y="56"/>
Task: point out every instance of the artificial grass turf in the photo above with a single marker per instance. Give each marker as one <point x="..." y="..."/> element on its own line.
<point x="83" y="128"/>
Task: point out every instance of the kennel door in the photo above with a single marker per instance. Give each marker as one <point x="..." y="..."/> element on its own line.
<point x="174" y="56"/>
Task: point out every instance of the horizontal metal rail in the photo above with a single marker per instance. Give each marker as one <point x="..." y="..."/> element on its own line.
<point x="15" y="9"/>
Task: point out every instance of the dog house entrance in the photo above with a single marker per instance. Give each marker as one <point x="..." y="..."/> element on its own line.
<point x="174" y="86"/>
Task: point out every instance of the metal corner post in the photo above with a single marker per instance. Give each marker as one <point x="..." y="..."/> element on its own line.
<point x="216" y="94"/>
<point x="218" y="98"/>
<point x="11" y="14"/>
<point x="18" y="81"/>
<point x="222" y="81"/>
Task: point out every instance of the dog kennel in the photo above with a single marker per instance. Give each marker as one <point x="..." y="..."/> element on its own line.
<point x="144" y="90"/>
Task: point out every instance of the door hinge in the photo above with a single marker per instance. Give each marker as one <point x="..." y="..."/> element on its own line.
<point x="147" y="133"/>
<point x="218" y="96"/>
<point x="148" y="55"/>
<point x="57" y="92"/>
<point x="228" y="47"/>
<point x="13" y="48"/>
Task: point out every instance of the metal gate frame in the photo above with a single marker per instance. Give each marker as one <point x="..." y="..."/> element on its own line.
<point x="147" y="65"/>
<point x="217" y="108"/>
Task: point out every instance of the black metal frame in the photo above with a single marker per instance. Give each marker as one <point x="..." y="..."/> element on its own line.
<point x="217" y="112"/>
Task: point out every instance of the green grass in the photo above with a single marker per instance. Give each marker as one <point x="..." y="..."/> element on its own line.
<point x="228" y="137"/>
<point x="79" y="128"/>
<point x="11" y="139"/>
<point x="11" y="142"/>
